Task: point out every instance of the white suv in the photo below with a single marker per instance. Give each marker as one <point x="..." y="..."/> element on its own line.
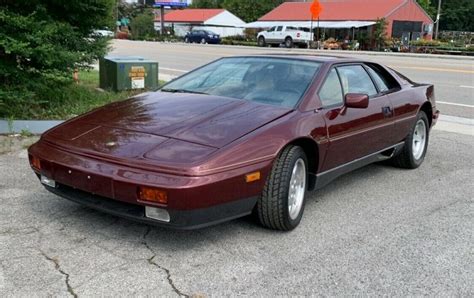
<point x="284" y="34"/>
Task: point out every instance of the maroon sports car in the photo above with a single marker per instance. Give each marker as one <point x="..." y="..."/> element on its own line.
<point x="236" y="136"/>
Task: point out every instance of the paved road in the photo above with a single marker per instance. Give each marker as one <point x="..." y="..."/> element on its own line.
<point x="379" y="231"/>
<point x="454" y="79"/>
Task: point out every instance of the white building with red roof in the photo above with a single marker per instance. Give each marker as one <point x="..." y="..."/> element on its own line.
<point x="219" y="21"/>
<point x="404" y="17"/>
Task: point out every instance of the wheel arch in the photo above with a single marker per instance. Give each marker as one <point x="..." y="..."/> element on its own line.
<point x="311" y="149"/>
<point x="428" y="109"/>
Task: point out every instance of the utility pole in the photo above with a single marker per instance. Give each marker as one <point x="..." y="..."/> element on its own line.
<point x="438" y="16"/>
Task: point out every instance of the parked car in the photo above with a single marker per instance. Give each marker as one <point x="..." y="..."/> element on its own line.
<point x="289" y="35"/>
<point x="239" y="135"/>
<point x="202" y="36"/>
<point x="103" y="33"/>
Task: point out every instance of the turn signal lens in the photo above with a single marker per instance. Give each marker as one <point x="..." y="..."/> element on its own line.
<point x="35" y="163"/>
<point x="152" y="195"/>
<point x="252" y="177"/>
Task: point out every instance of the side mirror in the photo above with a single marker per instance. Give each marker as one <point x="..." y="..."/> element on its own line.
<point x="357" y="101"/>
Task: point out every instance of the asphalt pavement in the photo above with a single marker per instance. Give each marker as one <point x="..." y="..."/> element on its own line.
<point x="453" y="77"/>
<point x="379" y="231"/>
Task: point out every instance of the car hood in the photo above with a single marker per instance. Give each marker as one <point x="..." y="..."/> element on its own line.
<point x="168" y="127"/>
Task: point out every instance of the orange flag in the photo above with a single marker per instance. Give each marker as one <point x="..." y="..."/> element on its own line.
<point x="316" y="8"/>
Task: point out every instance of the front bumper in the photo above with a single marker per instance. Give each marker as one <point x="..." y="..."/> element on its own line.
<point x="180" y="219"/>
<point x="193" y="201"/>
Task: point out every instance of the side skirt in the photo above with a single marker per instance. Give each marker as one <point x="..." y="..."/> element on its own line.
<point x="324" y="178"/>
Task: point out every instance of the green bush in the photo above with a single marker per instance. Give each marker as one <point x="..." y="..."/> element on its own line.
<point x="426" y="43"/>
<point x="42" y="42"/>
<point x="57" y="98"/>
<point x="142" y="26"/>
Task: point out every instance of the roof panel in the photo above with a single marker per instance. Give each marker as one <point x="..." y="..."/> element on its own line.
<point x="335" y="10"/>
<point x="191" y="15"/>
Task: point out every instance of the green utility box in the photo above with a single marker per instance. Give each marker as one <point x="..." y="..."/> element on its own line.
<point x="127" y="72"/>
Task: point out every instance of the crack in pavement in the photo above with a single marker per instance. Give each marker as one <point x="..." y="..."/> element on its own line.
<point x="58" y="268"/>
<point x="152" y="262"/>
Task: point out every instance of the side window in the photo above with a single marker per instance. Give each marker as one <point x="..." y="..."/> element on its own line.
<point x="271" y="29"/>
<point x="379" y="80"/>
<point x="331" y="92"/>
<point x="355" y="79"/>
<point x="279" y="28"/>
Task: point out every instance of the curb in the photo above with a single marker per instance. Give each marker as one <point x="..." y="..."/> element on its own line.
<point x="327" y="52"/>
<point x="368" y="53"/>
<point x="32" y="126"/>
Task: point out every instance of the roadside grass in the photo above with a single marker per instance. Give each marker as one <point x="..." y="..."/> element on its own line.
<point x="65" y="100"/>
<point x="13" y="143"/>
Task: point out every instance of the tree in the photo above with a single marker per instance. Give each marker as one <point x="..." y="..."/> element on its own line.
<point x="42" y="39"/>
<point x="428" y="7"/>
<point x="250" y="10"/>
<point x="380" y="33"/>
<point x="457" y="15"/>
<point x="143" y="25"/>
<point x="207" y="4"/>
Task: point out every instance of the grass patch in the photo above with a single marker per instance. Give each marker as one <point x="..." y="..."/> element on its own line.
<point x="63" y="100"/>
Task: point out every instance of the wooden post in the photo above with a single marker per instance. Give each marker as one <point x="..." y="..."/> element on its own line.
<point x="438" y="17"/>
<point x="162" y="19"/>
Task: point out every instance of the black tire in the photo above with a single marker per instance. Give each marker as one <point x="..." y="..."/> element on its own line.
<point x="261" y="41"/>
<point x="186" y="40"/>
<point x="406" y="158"/>
<point x="203" y="41"/>
<point x="288" y="42"/>
<point x="272" y="206"/>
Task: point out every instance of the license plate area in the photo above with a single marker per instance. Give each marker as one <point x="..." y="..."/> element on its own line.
<point x="84" y="181"/>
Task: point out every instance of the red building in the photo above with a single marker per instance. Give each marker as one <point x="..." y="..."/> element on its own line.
<point x="406" y="18"/>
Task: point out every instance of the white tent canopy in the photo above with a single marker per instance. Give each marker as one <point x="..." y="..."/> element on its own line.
<point x="307" y="24"/>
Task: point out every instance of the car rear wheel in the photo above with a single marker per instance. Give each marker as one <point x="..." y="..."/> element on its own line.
<point x="203" y="41"/>
<point x="186" y="40"/>
<point x="289" y="42"/>
<point x="281" y="205"/>
<point x="416" y="144"/>
<point x="261" y="41"/>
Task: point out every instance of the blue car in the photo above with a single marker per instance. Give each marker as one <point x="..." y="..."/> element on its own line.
<point x="202" y="36"/>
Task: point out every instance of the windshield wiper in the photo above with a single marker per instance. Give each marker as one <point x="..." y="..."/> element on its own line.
<point x="182" y="91"/>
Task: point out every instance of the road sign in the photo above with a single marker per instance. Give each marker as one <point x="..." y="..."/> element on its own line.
<point x="316" y="8"/>
<point x="171" y="3"/>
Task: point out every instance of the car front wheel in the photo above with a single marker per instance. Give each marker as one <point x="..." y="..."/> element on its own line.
<point x="203" y="41"/>
<point x="281" y="205"/>
<point x="416" y="144"/>
<point x="261" y="41"/>
<point x="186" y="40"/>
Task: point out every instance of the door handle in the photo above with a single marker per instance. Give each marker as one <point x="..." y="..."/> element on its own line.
<point x="387" y="112"/>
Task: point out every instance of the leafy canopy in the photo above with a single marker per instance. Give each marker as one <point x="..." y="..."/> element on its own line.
<point x="247" y="10"/>
<point x="43" y="41"/>
<point x="50" y="37"/>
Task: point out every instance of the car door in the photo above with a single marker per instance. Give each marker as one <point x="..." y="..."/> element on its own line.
<point x="279" y="34"/>
<point x="353" y="133"/>
<point x="192" y="36"/>
<point x="404" y="110"/>
<point x="271" y="34"/>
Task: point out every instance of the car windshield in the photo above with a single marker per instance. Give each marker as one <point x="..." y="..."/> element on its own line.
<point x="274" y="81"/>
